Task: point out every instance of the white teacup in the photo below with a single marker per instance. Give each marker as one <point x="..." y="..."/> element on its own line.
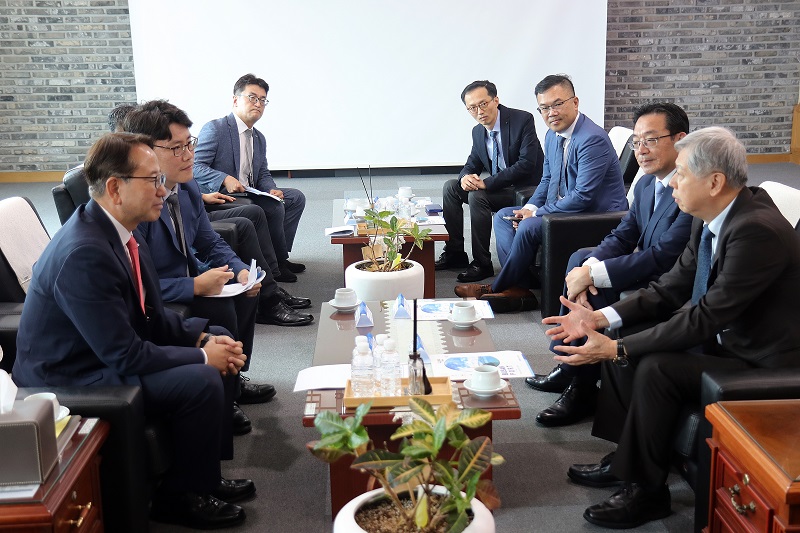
<point x="345" y="297"/>
<point x="486" y="377"/>
<point x="404" y="192"/>
<point x="463" y="312"/>
<point x="48" y="396"/>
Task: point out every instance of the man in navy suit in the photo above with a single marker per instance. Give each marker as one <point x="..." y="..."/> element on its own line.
<point x="231" y="155"/>
<point x="581" y="174"/>
<point x="504" y="144"/>
<point x="646" y="244"/>
<point x="94" y="316"/>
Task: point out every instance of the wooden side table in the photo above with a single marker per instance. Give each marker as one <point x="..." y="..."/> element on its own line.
<point x="69" y="500"/>
<point x="755" y="466"/>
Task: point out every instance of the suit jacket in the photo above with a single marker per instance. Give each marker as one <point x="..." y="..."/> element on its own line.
<point x="82" y="323"/>
<point x="646" y="243"/>
<point x="218" y="153"/>
<point x="594" y="179"/>
<point x="751" y="301"/>
<point x="208" y="246"/>
<point x="522" y="152"/>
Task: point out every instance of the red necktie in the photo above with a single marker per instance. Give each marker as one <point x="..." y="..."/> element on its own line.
<point x="133" y="249"/>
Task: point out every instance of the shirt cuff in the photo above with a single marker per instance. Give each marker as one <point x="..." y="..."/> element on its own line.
<point x="205" y="356"/>
<point x="599" y="274"/>
<point x="531" y="207"/>
<point x="614" y="320"/>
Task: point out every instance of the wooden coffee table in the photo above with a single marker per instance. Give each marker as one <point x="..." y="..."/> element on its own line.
<point x="335" y="340"/>
<point x="351" y="248"/>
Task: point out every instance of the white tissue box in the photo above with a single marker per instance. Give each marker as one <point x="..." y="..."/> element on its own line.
<point x="28" y="449"/>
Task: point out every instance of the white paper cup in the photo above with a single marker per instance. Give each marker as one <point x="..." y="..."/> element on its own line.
<point x="48" y="396"/>
<point x="486" y="377"/>
<point x="404" y="192"/>
<point x="463" y="312"/>
<point x="345" y="297"/>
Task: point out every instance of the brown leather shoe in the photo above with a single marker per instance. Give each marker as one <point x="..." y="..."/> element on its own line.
<point x="473" y="290"/>
<point x="511" y="300"/>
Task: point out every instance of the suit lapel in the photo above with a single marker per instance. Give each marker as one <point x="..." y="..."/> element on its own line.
<point x="233" y="133"/>
<point x="166" y="220"/>
<point x="505" y="133"/>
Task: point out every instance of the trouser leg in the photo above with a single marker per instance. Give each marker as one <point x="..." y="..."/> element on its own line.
<point x="453" y="200"/>
<point x="516" y="271"/>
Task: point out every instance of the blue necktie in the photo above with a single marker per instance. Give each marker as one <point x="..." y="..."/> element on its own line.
<point x="703" y="266"/>
<point x="495" y="152"/>
<point x="659" y="194"/>
<point x="562" y="177"/>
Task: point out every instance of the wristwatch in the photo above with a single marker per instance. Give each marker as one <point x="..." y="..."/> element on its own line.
<point x="205" y="339"/>
<point x="622" y="356"/>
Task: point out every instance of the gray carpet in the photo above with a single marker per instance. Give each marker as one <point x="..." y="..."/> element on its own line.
<point x="292" y="485"/>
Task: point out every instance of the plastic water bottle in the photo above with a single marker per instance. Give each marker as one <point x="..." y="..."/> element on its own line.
<point x="361" y="371"/>
<point x="377" y="359"/>
<point x="390" y="370"/>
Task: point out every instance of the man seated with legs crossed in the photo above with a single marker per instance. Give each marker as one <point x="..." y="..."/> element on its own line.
<point x="504" y="144"/>
<point x="581" y="174"/>
<point x="94" y="316"/>
<point x="646" y="244"/>
<point x="725" y="304"/>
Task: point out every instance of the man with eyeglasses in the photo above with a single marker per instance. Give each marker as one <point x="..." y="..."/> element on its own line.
<point x="504" y="145"/>
<point x="581" y="174"/>
<point x="728" y="303"/>
<point x="646" y="244"/>
<point x="94" y="317"/>
<point x="232" y="155"/>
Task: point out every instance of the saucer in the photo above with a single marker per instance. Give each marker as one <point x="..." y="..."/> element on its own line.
<point x="462" y="324"/>
<point x="63" y="412"/>
<point x="483" y="393"/>
<point x="344" y="308"/>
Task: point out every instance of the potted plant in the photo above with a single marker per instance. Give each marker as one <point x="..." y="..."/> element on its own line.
<point x="418" y="464"/>
<point x="382" y="276"/>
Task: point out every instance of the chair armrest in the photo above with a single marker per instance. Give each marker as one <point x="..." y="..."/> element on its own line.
<point x="751" y="384"/>
<point x="10" y="313"/>
<point x="521" y="194"/>
<point x="64" y="204"/>
<point x="562" y="235"/>
<point x="227" y="230"/>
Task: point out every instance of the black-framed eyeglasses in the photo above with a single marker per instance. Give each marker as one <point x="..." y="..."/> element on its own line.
<point x="178" y="151"/>
<point x="158" y="181"/>
<point x="649" y="143"/>
<point x="556" y="106"/>
<point x="253" y="99"/>
<point x="472" y="109"/>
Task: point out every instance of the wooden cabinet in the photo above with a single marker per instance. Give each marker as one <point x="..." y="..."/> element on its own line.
<point x="755" y="466"/>
<point x="69" y="500"/>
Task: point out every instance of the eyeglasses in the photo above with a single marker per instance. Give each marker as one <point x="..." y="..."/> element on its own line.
<point x="474" y="108"/>
<point x="649" y="143"/>
<point x="253" y="99"/>
<point x="178" y="151"/>
<point x="158" y="181"/>
<point x="556" y="106"/>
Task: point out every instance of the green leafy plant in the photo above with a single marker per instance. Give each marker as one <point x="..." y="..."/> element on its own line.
<point x="390" y="233"/>
<point x="420" y="461"/>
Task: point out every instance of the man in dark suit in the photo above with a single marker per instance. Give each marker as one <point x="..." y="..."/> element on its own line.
<point x="232" y="155"/>
<point x="740" y="273"/>
<point x="505" y="145"/>
<point x="646" y="244"/>
<point x="182" y="236"/>
<point x="94" y="316"/>
<point x="581" y="174"/>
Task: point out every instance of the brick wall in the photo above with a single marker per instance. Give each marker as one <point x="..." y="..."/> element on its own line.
<point x="64" y="64"/>
<point x="727" y="63"/>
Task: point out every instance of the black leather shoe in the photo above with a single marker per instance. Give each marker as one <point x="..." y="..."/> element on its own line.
<point x="254" y="393"/>
<point x="286" y="277"/>
<point x="234" y="490"/>
<point x="476" y="272"/>
<point x="448" y="260"/>
<point x="631" y="506"/>
<point x="555" y="381"/>
<point x="283" y="315"/>
<point x="196" y="511"/>
<point x="295" y="302"/>
<point x="511" y="300"/>
<point x="241" y="424"/>
<point x="597" y="475"/>
<point x="577" y="402"/>
<point x="291" y="267"/>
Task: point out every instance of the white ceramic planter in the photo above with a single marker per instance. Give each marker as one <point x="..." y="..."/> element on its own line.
<point x="345" y="522"/>
<point x="379" y="286"/>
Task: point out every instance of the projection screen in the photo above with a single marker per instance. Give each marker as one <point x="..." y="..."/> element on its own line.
<point x="365" y="82"/>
